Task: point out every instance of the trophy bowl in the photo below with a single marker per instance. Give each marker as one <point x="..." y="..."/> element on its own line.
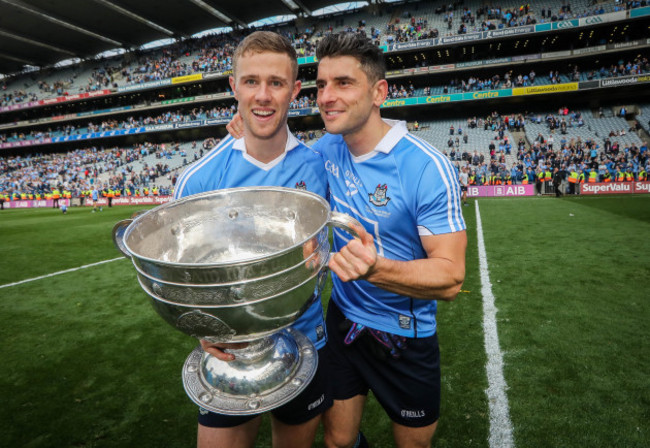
<point x="237" y="265"/>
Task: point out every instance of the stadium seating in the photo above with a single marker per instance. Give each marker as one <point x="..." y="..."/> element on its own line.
<point x="195" y="55"/>
<point x="212" y="53"/>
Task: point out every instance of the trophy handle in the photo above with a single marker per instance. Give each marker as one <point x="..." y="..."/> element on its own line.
<point x="344" y="221"/>
<point x="118" y="236"/>
<point x="120" y="228"/>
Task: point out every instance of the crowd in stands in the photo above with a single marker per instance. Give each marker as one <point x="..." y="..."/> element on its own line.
<point x="178" y="116"/>
<point x="639" y="65"/>
<point x="303" y="101"/>
<point x="214" y="52"/>
<point x="486" y="18"/>
<point x="208" y="54"/>
<point x="80" y="171"/>
<point x="576" y="160"/>
<point x="505" y="162"/>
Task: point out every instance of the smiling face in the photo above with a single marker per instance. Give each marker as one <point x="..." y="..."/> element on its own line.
<point x="346" y="97"/>
<point x="264" y="85"/>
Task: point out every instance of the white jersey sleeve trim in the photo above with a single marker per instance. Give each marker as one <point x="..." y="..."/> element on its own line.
<point x="446" y="171"/>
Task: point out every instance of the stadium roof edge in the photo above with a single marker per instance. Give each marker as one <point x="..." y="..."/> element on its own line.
<point x="41" y="33"/>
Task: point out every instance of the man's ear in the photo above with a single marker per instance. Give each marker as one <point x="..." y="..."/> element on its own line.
<point x="233" y="86"/>
<point x="296" y="89"/>
<point x="380" y="92"/>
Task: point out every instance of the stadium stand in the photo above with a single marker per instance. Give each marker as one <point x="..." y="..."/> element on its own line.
<point x="401" y="23"/>
<point x="505" y="143"/>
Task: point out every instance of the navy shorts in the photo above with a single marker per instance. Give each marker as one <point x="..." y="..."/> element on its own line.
<point x="311" y="402"/>
<point x="408" y="387"/>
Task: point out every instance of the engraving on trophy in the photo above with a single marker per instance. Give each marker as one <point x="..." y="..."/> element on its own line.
<point x="198" y="323"/>
<point x="157" y="289"/>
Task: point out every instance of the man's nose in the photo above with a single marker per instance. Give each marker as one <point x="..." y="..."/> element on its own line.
<point x="263" y="93"/>
<point x="325" y="95"/>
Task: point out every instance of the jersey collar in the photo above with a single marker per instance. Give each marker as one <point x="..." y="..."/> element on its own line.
<point x="292" y="142"/>
<point x="397" y="131"/>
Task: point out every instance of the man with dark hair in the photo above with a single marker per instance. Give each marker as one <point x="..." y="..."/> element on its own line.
<point x="381" y="318"/>
<point x="264" y="83"/>
<point x="410" y="253"/>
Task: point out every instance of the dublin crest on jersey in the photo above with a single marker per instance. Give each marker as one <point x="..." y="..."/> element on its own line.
<point x="301" y="185"/>
<point x="379" y="197"/>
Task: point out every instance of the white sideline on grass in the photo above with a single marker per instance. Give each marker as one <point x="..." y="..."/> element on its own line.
<point x="60" y="272"/>
<point x="500" y="424"/>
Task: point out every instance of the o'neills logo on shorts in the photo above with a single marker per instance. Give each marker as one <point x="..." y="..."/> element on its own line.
<point x="316" y="403"/>
<point x="406" y="413"/>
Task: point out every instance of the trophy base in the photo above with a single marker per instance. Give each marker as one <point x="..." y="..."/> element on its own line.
<point x="269" y="373"/>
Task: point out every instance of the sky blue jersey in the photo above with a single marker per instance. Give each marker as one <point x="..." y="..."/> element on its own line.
<point x="228" y="165"/>
<point x="400" y="191"/>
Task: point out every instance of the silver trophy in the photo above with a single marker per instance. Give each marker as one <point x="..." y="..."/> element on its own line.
<point x="237" y="265"/>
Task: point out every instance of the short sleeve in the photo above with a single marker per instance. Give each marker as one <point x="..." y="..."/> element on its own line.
<point x="438" y="206"/>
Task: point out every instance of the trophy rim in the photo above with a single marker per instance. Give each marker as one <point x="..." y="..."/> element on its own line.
<point x="313" y="256"/>
<point x="225" y="191"/>
<point x="228" y="305"/>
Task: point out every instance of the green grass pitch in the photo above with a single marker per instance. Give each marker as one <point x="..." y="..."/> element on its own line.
<point x="86" y="362"/>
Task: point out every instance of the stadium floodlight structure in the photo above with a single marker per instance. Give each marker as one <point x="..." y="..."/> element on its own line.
<point x="135" y="16"/>
<point x="297" y="6"/>
<point x="218" y="14"/>
<point x="32" y="10"/>
<point x="34" y="42"/>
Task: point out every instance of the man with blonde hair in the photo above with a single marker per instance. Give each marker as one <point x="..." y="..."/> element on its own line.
<point x="264" y="82"/>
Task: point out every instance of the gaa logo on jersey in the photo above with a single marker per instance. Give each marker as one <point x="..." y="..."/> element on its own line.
<point x="301" y="185"/>
<point x="379" y="197"/>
